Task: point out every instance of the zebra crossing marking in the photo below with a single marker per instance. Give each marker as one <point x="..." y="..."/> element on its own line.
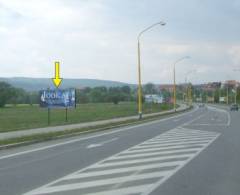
<point x="145" y="166"/>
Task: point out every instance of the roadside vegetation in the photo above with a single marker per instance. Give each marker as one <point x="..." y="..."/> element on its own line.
<point x="19" y="109"/>
<point x="26" y="117"/>
<point x="13" y="142"/>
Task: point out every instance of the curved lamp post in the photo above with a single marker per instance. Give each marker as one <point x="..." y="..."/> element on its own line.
<point x="236" y="86"/>
<point x="189" y="97"/>
<point x="139" y="67"/>
<point x="174" y="80"/>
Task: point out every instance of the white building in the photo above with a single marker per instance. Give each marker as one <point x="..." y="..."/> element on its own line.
<point x="154" y="98"/>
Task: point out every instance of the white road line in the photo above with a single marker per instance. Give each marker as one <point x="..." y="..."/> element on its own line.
<point x="182" y="137"/>
<point x="224" y="111"/>
<point x="189" y="133"/>
<point x="96" y="183"/>
<point x="185" y="131"/>
<point x="180" y="140"/>
<point x="103" y="172"/>
<point x="172" y="144"/>
<point x="180" y="133"/>
<point x="123" y="191"/>
<point x="159" y="151"/>
<point x="168" y="146"/>
<point x="166" y="153"/>
<point x="101" y="143"/>
<point x="201" y="124"/>
<point x="191" y="121"/>
<point x="94" y="136"/>
<point x="130" y="162"/>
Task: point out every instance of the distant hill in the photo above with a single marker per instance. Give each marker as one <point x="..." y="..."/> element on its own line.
<point x="35" y="84"/>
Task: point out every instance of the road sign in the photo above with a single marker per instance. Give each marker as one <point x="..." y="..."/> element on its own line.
<point x="58" y="98"/>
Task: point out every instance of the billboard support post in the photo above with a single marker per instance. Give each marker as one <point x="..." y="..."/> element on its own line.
<point x="75" y="98"/>
<point x="66" y="118"/>
<point x="48" y="116"/>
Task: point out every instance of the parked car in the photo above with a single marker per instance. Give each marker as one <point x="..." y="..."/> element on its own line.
<point x="234" y="107"/>
<point x="201" y="105"/>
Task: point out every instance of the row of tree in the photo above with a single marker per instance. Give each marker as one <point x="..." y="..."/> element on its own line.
<point x="12" y="95"/>
<point x="231" y="93"/>
<point x="104" y="94"/>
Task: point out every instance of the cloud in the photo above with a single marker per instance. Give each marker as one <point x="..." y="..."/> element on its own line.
<point x="97" y="38"/>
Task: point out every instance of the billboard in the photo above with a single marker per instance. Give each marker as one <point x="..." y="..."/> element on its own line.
<point x="222" y="99"/>
<point x="58" y="98"/>
<point x="210" y="99"/>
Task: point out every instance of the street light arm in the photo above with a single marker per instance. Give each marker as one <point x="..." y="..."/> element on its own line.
<point x="185" y="57"/>
<point x="148" y="28"/>
<point x="188" y="73"/>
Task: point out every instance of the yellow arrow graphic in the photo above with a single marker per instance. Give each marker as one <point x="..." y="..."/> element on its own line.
<point x="57" y="80"/>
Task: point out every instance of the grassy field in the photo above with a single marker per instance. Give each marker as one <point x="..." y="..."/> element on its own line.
<point x="25" y="117"/>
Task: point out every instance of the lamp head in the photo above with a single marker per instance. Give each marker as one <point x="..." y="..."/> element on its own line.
<point x="162" y="23"/>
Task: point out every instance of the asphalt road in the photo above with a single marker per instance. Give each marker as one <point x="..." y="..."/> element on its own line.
<point x="192" y="153"/>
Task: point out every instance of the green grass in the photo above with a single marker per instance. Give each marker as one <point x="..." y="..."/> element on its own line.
<point x="14" y="118"/>
<point x="13" y="142"/>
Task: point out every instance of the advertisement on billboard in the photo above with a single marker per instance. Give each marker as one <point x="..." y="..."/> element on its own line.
<point x="222" y="99"/>
<point x="58" y="98"/>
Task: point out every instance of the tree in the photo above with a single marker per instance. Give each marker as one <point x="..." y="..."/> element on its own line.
<point x="19" y="96"/>
<point x="98" y="94"/>
<point x="115" y="98"/>
<point x="149" y="88"/>
<point x="6" y="92"/>
<point x="166" y="94"/>
<point x="82" y="96"/>
<point x="216" y="95"/>
<point x="126" y="89"/>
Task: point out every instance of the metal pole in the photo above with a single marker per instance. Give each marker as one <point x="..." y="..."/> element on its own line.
<point x="139" y="84"/>
<point x="174" y="89"/>
<point x="219" y="93"/>
<point x="48" y="116"/>
<point x="186" y="90"/>
<point x="236" y="96"/>
<point x="190" y="95"/>
<point x="227" y="95"/>
<point x="75" y="99"/>
<point x="66" y="118"/>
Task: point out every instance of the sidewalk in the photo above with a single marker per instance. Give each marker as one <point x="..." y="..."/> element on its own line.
<point x="21" y="133"/>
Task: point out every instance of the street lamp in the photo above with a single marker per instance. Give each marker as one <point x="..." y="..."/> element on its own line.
<point x="139" y="67"/>
<point x="236" y="86"/>
<point x="186" y="80"/>
<point x="236" y="90"/>
<point x="174" y="80"/>
<point x="227" y="89"/>
<point x="227" y="95"/>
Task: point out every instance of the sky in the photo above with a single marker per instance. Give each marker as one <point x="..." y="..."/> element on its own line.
<point x="97" y="39"/>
